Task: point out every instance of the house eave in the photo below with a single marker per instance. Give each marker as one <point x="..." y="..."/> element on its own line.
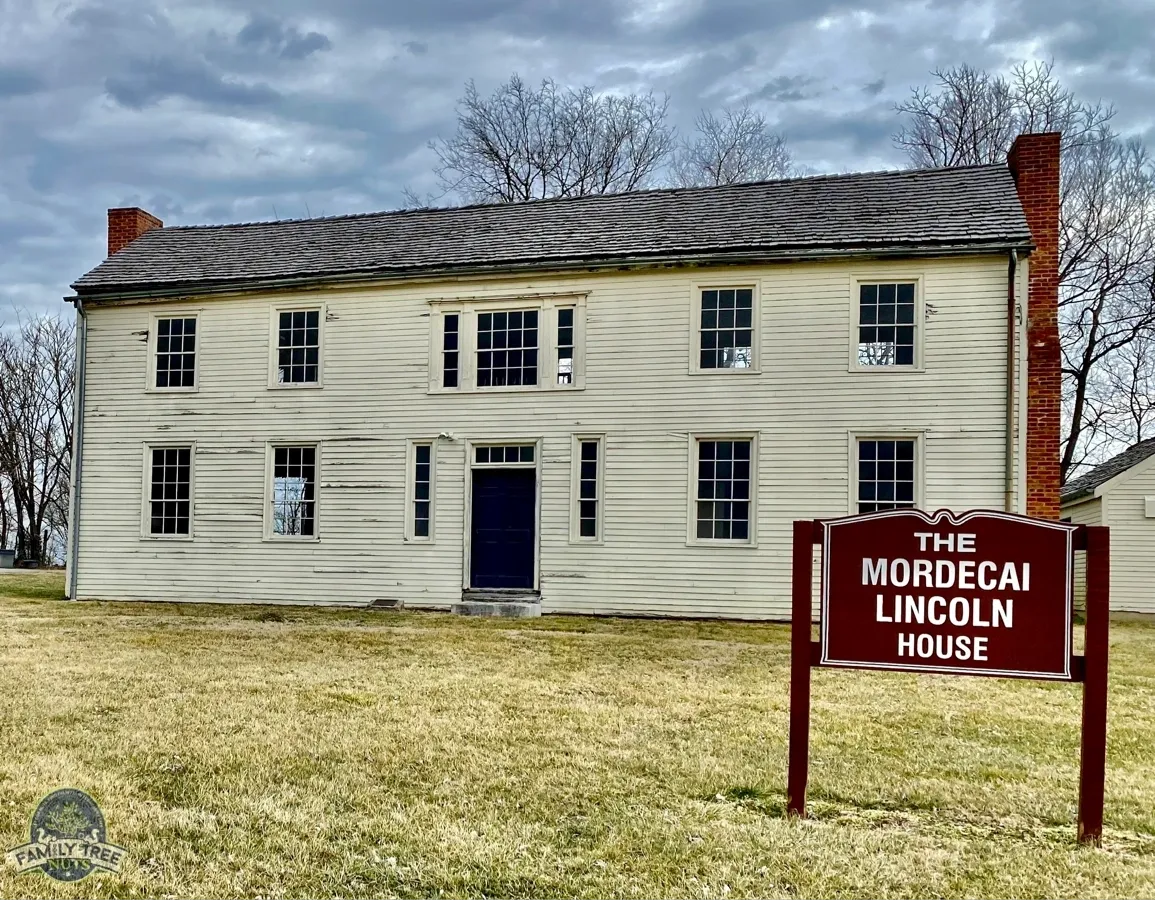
<point x="178" y="290"/>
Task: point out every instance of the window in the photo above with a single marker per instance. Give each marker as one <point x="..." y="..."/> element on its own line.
<point x="565" y="345"/>
<point x="175" y="352"/>
<point x="511" y="344"/>
<point x="449" y="351"/>
<point x="723" y="496"/>
<point x="726" y="329"/>
<point x="886" y="329"/>
<point x="587" y="486"/>
<point x="422" y="500"/>
<point x="507" y="348"/>
<point x="298" y="346"/>
<point x="294" y="500"/>
<point x="503" y="455"/>
<point x="170" y="491"/>
<point x="885" y="474"/>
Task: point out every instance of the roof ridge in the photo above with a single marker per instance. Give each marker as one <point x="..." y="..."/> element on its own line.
<point x="588" y="198"/>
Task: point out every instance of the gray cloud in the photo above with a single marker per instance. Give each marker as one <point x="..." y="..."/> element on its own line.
<point x="146" y="82"/>
<point x="784" y="89"/>
<point x="15" y="82"/>
<point x="221" y="110"/>
<point x="285" y="41"/>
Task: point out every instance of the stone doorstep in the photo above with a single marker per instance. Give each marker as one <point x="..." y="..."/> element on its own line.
<point x="505" y="610"/>
<point x="511" y="604"/>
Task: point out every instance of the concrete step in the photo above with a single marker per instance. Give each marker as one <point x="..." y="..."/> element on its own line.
<point x="511" y="604"/>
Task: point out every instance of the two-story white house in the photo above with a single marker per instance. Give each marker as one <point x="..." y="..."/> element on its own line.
<point x="612" y="404"/>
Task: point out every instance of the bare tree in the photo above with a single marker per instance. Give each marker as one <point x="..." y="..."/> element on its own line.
<point x="730" y="148"/>
<point x="971" y="117"/>
<point x="523" y="144"/>
<point x="1106" y="294"/>
<point x="1107" y="232"/>
<point x="36" y="384"/>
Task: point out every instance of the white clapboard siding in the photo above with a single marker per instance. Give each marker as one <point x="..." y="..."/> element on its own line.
<point x="1132" y="539"/>
<point x="1087" y="512"/>
<point x="639" y="393"/>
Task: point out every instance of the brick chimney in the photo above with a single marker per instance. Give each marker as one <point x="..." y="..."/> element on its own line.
<point x="126" y="224"/>
<point x="1034" y="163"/>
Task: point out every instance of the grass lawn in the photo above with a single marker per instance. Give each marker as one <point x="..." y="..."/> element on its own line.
<point x="297" y="752"/>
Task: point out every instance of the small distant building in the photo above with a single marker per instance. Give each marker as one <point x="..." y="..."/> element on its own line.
<point x="1120" y="494"/>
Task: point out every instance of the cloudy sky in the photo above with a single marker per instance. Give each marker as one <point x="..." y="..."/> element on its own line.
<point x="206" y="111"/>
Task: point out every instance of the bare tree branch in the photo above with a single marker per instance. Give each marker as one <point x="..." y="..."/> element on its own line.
<point x="731" y="148"/>
<point x="524" y="144"/>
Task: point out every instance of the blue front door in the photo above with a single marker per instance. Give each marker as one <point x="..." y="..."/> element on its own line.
<point x="504" y="526"/>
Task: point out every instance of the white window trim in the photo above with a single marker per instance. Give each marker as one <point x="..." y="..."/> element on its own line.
<point x="696" y="288"/>
<point x="918" y="278"/>
<point x="411" y="489"/>
<point x="269" y="535"/>
<point x="274" y="341"/>
<point x="146" y="491"/>
<point x="470" y="465"/>
<point x="918" y="435"/>
<point x="547" y="351"/>
<point x="692" y="538"/>
<point x="575" y="536"/>
<point x="150" y="374"/>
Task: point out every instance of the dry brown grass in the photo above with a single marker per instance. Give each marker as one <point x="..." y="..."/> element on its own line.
<point x="297" y="752"/>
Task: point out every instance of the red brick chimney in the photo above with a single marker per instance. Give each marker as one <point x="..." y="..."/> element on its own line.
<point x="1034" y="163"/>
<point x="126" y="224"/>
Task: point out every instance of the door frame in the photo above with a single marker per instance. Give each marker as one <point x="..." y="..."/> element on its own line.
<point x="467" y="537"/>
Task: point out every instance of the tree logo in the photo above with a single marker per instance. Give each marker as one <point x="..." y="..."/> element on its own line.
<point x="67" y="839"/>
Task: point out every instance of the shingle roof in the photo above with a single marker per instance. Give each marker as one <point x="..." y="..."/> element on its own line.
<point x="881" y="211"/>
<point x="1085" y="485"/>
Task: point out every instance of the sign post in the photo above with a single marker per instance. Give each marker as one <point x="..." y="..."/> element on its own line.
<point x="981" y="593"/>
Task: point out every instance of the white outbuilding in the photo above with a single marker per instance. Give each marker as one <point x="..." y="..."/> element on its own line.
<point x="1120" y="494"/>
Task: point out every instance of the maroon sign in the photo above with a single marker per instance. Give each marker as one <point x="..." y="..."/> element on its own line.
<point x="983" y="593"/>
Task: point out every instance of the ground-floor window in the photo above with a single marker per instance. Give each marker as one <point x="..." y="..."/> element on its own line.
<point x="586" y="519"/>
<point x="170" y="491"/>
<point x="723" y="489"/>
<point x="886" y="474"/>
<point x="294" y="491"/>
<point x="421" y="491"/>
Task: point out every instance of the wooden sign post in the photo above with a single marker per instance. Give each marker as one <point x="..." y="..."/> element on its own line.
<point x="980" y="593"/>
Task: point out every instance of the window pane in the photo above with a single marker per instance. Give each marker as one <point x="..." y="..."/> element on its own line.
<point x="723" y="489"/>
<point x="726" y="337"/>
<point x="423" y="488"/>
<point x="170" y="507"/>
<point x="886" y="333"/>
<point x="294" y="490"/>
<point x="565" y="345"/>
<point x="175" y="353"/>
<point x="298" y="345"/>
<point x="513" y="335"/>
<point x="885" y="474"/>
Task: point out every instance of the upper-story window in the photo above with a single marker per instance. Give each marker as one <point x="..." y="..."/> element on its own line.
<point x="507" y="348"/>
<point x="298" y="346"/>
<point x="482" y="345"/>
<point x="450" y="355"/>
<point x="887" y="333"/>
<point x="726" y="328"/>
<point x="174" y="352"/>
